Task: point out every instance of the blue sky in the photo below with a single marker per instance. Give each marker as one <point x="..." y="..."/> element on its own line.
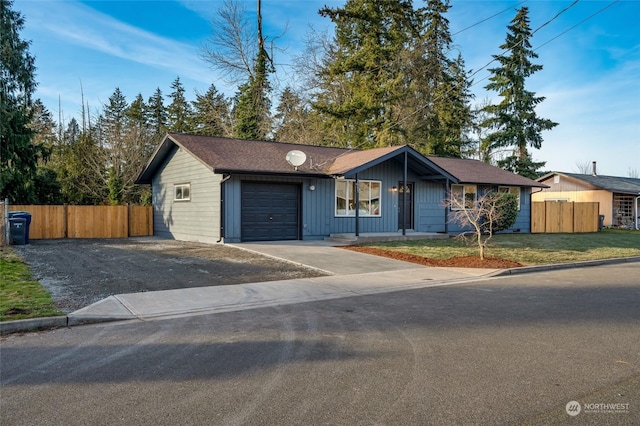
<point x="591" y="74"/>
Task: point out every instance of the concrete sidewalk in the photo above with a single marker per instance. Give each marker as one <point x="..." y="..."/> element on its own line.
<point x="350" y="274"/>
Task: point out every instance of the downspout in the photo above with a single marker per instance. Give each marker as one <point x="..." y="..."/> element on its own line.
<point x="404" y="197"/>
<point x="222" y="215"/>
<point x="357" y="207"/>
<point x="637" y="213"/>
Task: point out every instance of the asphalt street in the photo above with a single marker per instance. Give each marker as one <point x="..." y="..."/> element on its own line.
<point x="509" y="350"/>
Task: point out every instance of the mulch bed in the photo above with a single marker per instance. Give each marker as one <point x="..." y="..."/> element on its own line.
<point x="454" y="262"/>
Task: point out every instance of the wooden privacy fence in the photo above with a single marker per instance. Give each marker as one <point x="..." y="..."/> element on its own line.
<point x="567" y="217"/>
<point x="49" y="222"/>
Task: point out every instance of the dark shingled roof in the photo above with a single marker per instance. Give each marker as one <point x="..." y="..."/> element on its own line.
<point x="225" y="155"/>
<point x="475" y="171"/>
<point x="622" y="185"/>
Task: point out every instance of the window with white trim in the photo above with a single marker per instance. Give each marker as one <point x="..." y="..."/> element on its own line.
<point x="369" y="198"/>
<point x="182" y="192"/>
<point x="515" y="190"/>
<point x="468" y="193"/>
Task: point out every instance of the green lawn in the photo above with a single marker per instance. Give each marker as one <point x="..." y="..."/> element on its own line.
<point x="20" y="296"/>
<point x="531" y="249"/>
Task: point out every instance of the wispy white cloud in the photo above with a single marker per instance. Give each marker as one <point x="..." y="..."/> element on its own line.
<point x="77" y="24"/>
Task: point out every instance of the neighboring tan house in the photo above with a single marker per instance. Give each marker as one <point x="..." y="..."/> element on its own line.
<point x="619" y="197"/>
<point x="213" y="189"/>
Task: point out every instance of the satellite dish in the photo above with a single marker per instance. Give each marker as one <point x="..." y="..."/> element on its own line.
<point x="296" y="158"/>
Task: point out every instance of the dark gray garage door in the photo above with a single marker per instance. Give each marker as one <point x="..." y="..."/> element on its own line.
<point x="270" y="211"/>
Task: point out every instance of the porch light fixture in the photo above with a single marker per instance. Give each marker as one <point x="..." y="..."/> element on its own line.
<point x="312" y="187"/>
<point x="394" y="189"/>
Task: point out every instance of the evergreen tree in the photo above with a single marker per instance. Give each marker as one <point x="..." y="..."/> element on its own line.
<point x="212" y="113"/>
<point x="137" y="112"/>
<point x="157" y="113"/>
<point x="43" y="126"/>
<point x="18" y="154"/>
<point x="514" y="122"/>
<point x="179" y="111"/>
<point x="113" y="126"/>
<point x="46" y="184"/>
<point x="79" y="163"/>
<point x="439" y="95"/>
<point x="293" y="118"/>
<point x="361" y="77"/>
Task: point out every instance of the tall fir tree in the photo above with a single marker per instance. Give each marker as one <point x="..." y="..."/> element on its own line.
<point x="212" y="113"/>
<point x="179" y="110"/>
<point x="293" y="119"/>
<point x="19" y="154"/>
<point x="137" y="112"/>
<point x="513" y="123"/>
<point x="438" y="98"/>
<point x="361" y="78"/>
<point x="47" y="186"/>
<point x="157" y="113"/>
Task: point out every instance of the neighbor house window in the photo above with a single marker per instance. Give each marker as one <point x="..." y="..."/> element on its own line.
<point x="182" y="192"/>
<point x="463" y="195"/>
<point x="369" y="198"/>
<point x="515" y="190"/>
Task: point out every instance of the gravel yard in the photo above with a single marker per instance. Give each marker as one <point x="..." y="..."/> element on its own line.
<point x="79" y="272"/>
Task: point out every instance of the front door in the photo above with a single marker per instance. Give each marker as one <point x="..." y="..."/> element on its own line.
<point x="405" y="206"/>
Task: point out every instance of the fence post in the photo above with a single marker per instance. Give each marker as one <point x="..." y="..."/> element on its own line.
<point x="129" y="215"/>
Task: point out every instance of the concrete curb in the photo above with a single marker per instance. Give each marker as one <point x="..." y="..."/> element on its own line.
<point x="10" y="327"/>
<point x="571" y="265"/>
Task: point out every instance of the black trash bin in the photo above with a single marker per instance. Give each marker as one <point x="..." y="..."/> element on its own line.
<point x="17" y="230"/>
<point x="27" y="217"/>
<point x="601" y="223"/>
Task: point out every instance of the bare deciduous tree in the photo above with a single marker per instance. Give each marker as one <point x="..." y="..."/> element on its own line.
<point x="584" y="167"/>
<point x="232" y="47"/>
<point x="489" y="213"/>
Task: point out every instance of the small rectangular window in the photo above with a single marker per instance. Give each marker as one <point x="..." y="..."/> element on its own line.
<point x="182" y="192"/>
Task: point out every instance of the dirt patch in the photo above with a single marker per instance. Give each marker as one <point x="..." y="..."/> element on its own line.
<point x="454" y="262"/>
<point x="79" y="272"/>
